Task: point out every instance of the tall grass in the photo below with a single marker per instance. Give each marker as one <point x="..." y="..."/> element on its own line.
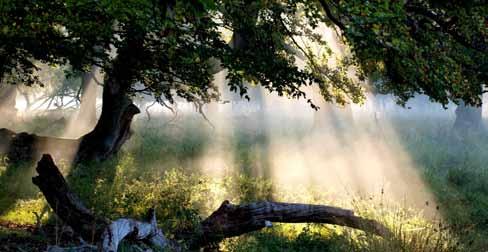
<point x="159" y="167"/>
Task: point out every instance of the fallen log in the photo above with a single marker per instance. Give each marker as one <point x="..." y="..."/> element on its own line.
<point x="71" y="210"/>
<point x="120" y="229"/>
<point x="227" y="221"/>
<point x="65" y="203"/>
<point x="26" y="147"/>
<point x="234" y="220"/>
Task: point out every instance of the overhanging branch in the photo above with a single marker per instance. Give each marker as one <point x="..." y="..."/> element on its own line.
<point x="447" y="27"/>
<point x="331" y="16"/>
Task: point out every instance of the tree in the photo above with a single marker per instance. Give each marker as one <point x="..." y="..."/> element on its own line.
<point x="467" y="117"/>
<point x="437" y="48"/>
<point x="173" y="48"/>
<point x="167" y="47"/>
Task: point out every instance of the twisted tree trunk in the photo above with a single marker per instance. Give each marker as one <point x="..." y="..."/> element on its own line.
<point x="113" y="126"/>
<point x="227" y="221"/>
<point x="105" y="140"/>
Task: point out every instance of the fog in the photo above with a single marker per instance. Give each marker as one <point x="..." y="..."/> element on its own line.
<point x="348" y="151"/>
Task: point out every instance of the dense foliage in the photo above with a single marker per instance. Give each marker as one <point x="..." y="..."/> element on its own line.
<point x="438" y="48"/>
<point x="174" y="47"/>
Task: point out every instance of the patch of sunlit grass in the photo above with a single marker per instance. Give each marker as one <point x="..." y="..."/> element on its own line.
<point x="160" y="167"/>
<point x="410" y="233"/>
<point x="24" y="212"/>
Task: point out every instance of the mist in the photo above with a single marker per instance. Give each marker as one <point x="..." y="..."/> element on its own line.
<point x="243" y="126"/>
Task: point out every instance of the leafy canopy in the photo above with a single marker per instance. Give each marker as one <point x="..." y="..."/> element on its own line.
<point x="173" y="48"/>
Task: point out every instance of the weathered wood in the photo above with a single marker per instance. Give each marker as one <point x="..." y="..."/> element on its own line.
<point x="137" y="230"/>
<point x="71" y="210"/>
<point x="66" y="204"/>
<point x="227" y="221"/>
<point x="234" y="220"/>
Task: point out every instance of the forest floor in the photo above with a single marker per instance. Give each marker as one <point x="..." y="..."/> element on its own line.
<point x="169" y="164"/>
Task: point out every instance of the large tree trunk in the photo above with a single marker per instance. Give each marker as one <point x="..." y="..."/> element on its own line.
<point x="113" y="126"/>
<point x="227" y="221"/>
<point x="468" y="117"/>
<point x="233" y="220"/>
<point x="88" y="99"/>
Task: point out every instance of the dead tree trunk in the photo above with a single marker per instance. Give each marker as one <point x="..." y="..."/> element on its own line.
<point x="228" y="221"/>
<point x="65" y="203"/>
<point x="234" y="220"/>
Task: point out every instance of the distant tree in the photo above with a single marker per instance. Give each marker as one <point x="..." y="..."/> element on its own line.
<point x="437" y="48"/>
<point x="8" y="94"/>
<point x="173" y="48"/>
<point x="468" y="117"/>
<point x="88" y="97"/>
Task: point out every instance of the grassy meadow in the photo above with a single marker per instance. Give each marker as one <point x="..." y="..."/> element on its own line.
<point x="164" y="165"/>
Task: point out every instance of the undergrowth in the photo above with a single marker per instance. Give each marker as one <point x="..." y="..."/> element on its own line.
<point x="158" y="168"/>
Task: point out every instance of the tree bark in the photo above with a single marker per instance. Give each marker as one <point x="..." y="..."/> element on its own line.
<point x="233" y="220"/>
<point x="468" y="117"/>
<point x="227" y="221"/>
<point x="113" y="126"/>
<point x="65" y="203"/>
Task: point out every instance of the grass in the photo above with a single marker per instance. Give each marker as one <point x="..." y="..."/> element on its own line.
<point x="160" y="166"/>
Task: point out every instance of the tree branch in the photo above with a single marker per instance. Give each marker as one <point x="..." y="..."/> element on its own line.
<point x="227" y="221"/>
<point x="447" y="27"/>
<point x="329" y="14"/>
